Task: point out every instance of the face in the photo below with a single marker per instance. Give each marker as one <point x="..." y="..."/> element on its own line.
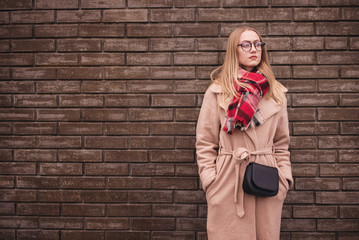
<point x="249" y="60"/>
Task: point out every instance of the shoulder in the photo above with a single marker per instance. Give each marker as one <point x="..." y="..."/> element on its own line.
<point x="214" y="88"/>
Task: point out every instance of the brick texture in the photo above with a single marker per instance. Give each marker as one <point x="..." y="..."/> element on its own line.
<point x="99" y="102"/>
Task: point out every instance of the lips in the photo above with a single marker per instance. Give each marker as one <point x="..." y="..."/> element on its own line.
<point x="253" y="57"/>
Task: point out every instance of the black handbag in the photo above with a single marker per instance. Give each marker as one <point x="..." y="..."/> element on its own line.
<point x="261" y="180"/>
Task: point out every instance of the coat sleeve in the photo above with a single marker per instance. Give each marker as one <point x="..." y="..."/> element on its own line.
<point x="207" y="138"/>
<point x="281" y="144"/>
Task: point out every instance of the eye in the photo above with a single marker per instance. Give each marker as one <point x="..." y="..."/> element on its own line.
<point x="245" y="44"/>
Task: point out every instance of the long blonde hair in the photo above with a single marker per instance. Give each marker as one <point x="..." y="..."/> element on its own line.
<point x="225" y="74"/>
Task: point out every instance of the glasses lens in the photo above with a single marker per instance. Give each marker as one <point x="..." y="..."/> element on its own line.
<point x="258" y="45"/>
<point x="246" y="46"/>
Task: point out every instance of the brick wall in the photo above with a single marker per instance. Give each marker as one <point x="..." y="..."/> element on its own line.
<point x="99" y="101"/>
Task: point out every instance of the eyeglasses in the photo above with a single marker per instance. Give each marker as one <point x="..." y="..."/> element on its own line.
<point x="247" y="46"/>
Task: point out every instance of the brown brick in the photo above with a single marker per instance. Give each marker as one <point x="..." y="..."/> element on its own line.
<point x="59" y="30"/>
<point x="77" y="235"/>
<point x="31" y="45"/>
<point x="107" y="223"/>
<point x="175" y="44"/>
<point x="228" y="28"/>
<point x="276" y="14"/>
<point x="88" y="210"/>
<point x="81" y="101"/>
<point x="162" y="235"/>
<point x="339" y="85"/>
<point x="35" y="155"/>
<point x="11" y="195"/>
<point x="317" y="184"/>
<point x="316" y="14"/>
<point x="102" y="59"/>
<point x="245" y="3"/>
<point x="106" y="169"/>
<point x="16" y="87"/>
<point x="298" y="225"/>
<point x="150" y="196"/>
<point x="105" y="142"/>
<point x="60" y="169"/>
<point x="312" y="236"/>
<point x="6" y="155"/>
<point x="349" y="100"/>
<point x="314" y="100"/>
<point x="292" y="58"/>
<point x="150" y="169"/>
<point x="129" y="210"/>
<point x="349" y="72"/>
<point x="16" y="59"/>
<point x="56" y="59"/>
<point x="126" y="45"/>
<point x="59" y="196"/>
<point x="323" y="128"/>
<point x="127" y="129"/>
<point x="349" y="212"/>
<point x="82" y="183"/>
<point x="338" y="225"/>
<point x="350" y="184"/>
<point x="191" y="86"/>
<point x="305" y="170"/>
<point x="5" y="128"/>
<point x="35" y="101"/>
<point x="339" y="169"/>
<point x="7" y="209"/>
<point x="177" y="15"/>
<point x="301" y="114"/>
<point x="294" y="28"/>
<point x="127" y="15"/>
<point x="104" y="115"/>
<point x="149" y="4"/>
<point x="106" y="196"/>
<point x="126" y="72"/>
<point x="191" y="224"/>
<point x="151" y="86"/>
<point x="185" y="142"/>
<point x="151" y="142"/>
<point x="58" y="115"/>
<point x="349" y="128"/>
<point x="128" y="100"/>
<point x="221" y="15"/>
<point x="15" y="31"/>
<point x="187" y="170"/>
<point x="173" y="129"/>
<point x="5" y="73"/>
<point x="5" y="101"/>
<point x="18" y="222"/>
<point x="308" y="43"/>
<point x="35" y="128"/>
<point x="212" y="44"/>
<point x="338" y="114"/>
<point x="61" y="223"/>
<point x="69" y="45"/>
<point x="58" y="87"/>
<point x="32" y="16"/>
<point x="55" y="4"/>
<point x="337" y="28"/>
<point x="80" y="128"/>
<point x="197" y="3"/>
<point x="298" y="142"/>
<point x="175" y="183"/>
<point x="21" y="4"/>
<point x="196" y="58"/>
<point x="154" y="114"/>
<point x="17" y="142"/>
<point x="194" y="197"/>
<point x="186" y="114"/>
<point x="38" y="209"/>
<point x="58" y="142"/>
<point x="148" y="30"/>
<point x="122" y="235"/>
<point x="80" y="155"/>
<point x="315" y="71"/>
<point x="348" y="155"/>
<point x="173" y="72"/>
<point x="34" y="73"/>
<point x="129" y="183"/>
<point x="336" y="43"/>
<point x="347" y="235"/>
<point x="102" y="30"/>
<point x="197" y="29"/>
<point x="80" y="73"/>
<point x="103" y="4"/>
<point x="338" y="142"/>
<point x="125" y="156"/>
<point x="103" y="86"/>
<point x="166" y="210"/>
<point x="349" y="14"/>
<point x="178" y="100"/>
<point x="78" y="16"/>
<point x="354" y="43"/>
<point x="153" y="223"/>
<point x="7" y="182"/>
<point x="300" y="197"/>
<point x="37" y="234"/>
<point x="149" y="59"/>
<point x="337" y="198"/>
<point x="336" y="58"/>
<point x="37" y="182"/>
<point x="5" y="19"/>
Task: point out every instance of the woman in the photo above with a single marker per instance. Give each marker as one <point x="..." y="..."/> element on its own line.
<point x="243" y="118"/>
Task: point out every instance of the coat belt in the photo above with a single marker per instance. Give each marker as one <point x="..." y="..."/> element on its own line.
<point x="240" y="155"/>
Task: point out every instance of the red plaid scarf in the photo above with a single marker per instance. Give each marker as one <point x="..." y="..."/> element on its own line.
<point x="242" y="111"/>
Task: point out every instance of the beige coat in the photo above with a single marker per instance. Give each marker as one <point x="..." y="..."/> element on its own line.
<point x="221" y="158"/>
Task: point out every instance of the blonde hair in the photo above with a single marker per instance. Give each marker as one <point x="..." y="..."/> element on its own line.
<point x="225" y="74"/>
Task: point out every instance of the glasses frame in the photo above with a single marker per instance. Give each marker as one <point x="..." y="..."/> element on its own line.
<point x="252" y="44"/>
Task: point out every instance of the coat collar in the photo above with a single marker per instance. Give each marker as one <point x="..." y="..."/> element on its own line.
<point x="268" y="107"/>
